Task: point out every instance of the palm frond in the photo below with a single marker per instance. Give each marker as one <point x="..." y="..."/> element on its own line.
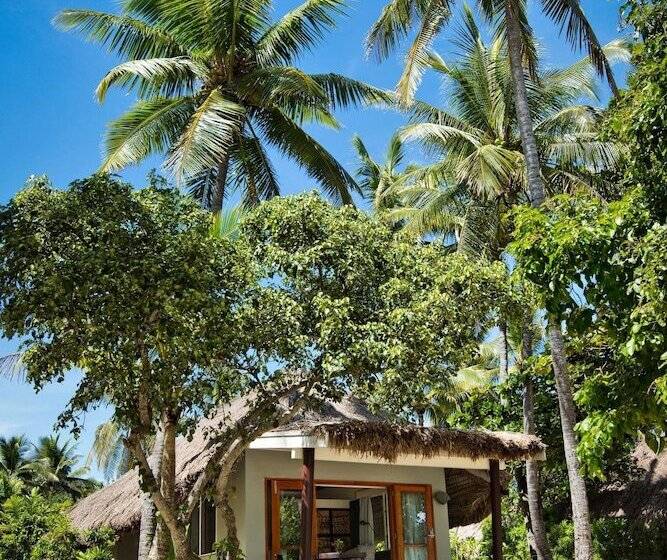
<point x="121" y="34"/>
<point x="298" y="31"/>
<point x="208" y="136"/>
<point x="488" y="169"/>
<point x="108" y="451"/>
<point x="291" y="139"/>
<point x="396" y="21"/>
<point x="442" y="134"/>
<point x="283" y="86"/>
<point x="12" y="367"/>
<point x="579" y="32"/>
<point x="578" y="79"/>
<point x="164" y="77"/>
<point x="227" y="224"/>
<point x="149" y="127"/>
<point x="418" y="58"/>
<point x="252" y="172"/>
<point x="343" y="92"/>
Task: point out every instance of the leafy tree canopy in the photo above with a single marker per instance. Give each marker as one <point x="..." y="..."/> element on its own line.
<point x="127" y="285"/>
<point x="167" y="319"/>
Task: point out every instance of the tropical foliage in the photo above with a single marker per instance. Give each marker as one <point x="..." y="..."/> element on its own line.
<point x="50" y="466"/>
<point x="479" y="169"/>
<point x="214" y="101"/>
<point x="35" y="528"/>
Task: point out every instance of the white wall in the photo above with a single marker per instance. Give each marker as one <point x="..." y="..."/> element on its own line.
<point x="250" y="501"/>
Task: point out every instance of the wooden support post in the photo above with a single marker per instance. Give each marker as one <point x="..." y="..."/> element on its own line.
<point x="307" y="504"/>
<point x="496" y="520"/>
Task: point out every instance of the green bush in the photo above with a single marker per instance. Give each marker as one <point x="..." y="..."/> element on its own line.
<point x="465" y="549"/>
<point x="35" y="528"/>
<point x="613" y="539"/>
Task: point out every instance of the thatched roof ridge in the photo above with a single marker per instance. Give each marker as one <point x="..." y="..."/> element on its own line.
<point x="348" y="425"/>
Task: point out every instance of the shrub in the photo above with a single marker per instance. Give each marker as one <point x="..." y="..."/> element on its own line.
<point x="35" y="528"/>
<point x="613" y="539"/>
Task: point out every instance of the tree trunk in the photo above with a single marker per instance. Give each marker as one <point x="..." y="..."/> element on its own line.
<point x="581" y="518"/>
<point x="538" y="538"/>
<point x="522" y="489"/>
<point x="583" y="545"/>
<point x="533" y="492"/>
<point x="503" y="354"/>
<point x="222" y="492"/>
<point x="218" y="197"/>
<point x="178" y="534"/>
<point x="163" y="492"/>
<point x="524" y="118"/>
<point x="147" y="525"/>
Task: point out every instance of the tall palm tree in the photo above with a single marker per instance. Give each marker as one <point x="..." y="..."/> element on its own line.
<point x="56" y="468"/>
<point x="480" y="169"/>
<point x="217" y="84"/>
<point x="15" y="459"/>
<point x="398" y="18"/>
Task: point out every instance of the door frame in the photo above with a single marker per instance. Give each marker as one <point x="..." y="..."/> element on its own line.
<point x="274" y="485"/>
<point x="427" y="490"/>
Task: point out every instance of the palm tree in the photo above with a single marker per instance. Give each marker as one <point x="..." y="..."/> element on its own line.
<point x="398" y="18"/>
<point x="15" y="459"/>
<point x="476" y="378"/>
<point x="480" y="170"/>
<point x="56" y="468"/>
<point x="108" y="451"/>
<point x="10" y="485"/>
<point x="216" y="86"/>
<point x="377" y="179"/>
<point x="479" y="167"/>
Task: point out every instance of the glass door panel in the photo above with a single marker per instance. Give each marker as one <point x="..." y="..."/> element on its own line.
<point x="290" y="524"/>
<point x="286" y="520"/>
<point x="414" y="523"/>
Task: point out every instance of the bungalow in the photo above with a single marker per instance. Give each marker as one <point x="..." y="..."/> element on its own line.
<point x="337" y="483"/>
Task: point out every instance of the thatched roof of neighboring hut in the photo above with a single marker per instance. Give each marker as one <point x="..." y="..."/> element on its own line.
<point x="642" y="499"/>
<point x="348" y="425"/>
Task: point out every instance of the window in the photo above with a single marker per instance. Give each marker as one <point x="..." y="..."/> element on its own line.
<point x="333" y="525"/>
<point x="202" y="528"/>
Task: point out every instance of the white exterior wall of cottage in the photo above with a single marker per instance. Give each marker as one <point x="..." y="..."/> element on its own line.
<point x="249" y="500"/>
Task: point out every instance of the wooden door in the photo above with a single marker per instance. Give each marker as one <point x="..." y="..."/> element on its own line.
<point x="414" y="536"/>
<point x="285" y="517"/>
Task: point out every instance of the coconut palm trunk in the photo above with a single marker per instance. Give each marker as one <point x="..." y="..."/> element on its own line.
<point x="583" y="545"/>
<point x="503" y="352"/>
<point x="220" y="181"/>
<point x="524" y="119"/>
<point x="539" y="541"/>
<point x="148" y="523"/>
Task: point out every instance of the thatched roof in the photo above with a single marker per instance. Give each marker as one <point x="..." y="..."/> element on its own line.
<point x="388" y="440"/>
<point x="348" y="425"/>
<point x="469" y="495"/>
<point x="642" y="499"/>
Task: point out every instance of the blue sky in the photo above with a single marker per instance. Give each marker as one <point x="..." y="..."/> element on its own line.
<point x="52" y="124"/>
